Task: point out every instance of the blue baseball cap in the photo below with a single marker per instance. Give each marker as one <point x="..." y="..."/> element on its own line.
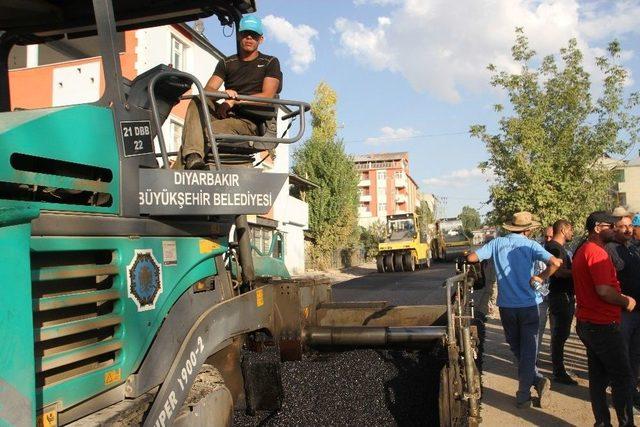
<point x="250" y="23"/>
<point x="636" y="220"/>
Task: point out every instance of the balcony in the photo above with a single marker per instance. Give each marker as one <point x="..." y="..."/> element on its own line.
<point x="364" y="183"/>
<point x="297" y="212"/>
<point x="365" y="197"/>
<point x="400" y="182"/>
<point x="401" y="198"/>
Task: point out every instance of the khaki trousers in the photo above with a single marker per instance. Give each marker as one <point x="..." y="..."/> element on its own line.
<point x="193" y="140"/>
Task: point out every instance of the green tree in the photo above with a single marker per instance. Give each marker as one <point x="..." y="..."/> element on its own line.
<point x="322" y="159"/>
<point x="424" y="216"/>
<point x="371" y="236"/>
<point x="548" y="154"/>
<point x="470" y="218"/>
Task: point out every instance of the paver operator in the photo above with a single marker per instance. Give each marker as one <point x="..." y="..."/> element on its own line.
<point x="250" y="72"/>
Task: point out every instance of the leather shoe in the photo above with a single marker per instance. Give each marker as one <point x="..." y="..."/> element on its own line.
<point x="564" y="379"/>
<point x="194" y="161"/>
<point x="523" y="404"/>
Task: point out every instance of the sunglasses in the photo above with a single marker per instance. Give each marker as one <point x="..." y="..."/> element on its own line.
<point x="250" y="34"/>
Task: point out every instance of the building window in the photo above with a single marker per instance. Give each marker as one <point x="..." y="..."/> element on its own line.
<point x="262" y="238"/>
<point x="177" y="53"/>
<point x="382" y="178"/>
<point x="382" y="208"/>
<point x="622" y="199"/>
<point x="176" y="136"/>
<point x="618" y="175"/>
<point x="364" y="176"/>
<point x="398" y="175"/>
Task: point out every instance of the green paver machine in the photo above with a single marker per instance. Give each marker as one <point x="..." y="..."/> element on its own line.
<point x="118" y="298"/>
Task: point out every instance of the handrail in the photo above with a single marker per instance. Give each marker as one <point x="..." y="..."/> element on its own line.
<point x="302" y="108"/>
<point x="156" y="115"/>
<point x="449" y="283"/>
<point x="274" y="241"/>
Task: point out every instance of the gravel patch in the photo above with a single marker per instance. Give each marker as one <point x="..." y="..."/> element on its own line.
<point x="358" y="387"/>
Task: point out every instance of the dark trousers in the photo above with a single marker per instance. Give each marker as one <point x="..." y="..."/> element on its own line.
<point x="630" y="327"/>
<point x="608" y="362"/>
<point x="561" y="310"/>
<point x="521" y="332"/>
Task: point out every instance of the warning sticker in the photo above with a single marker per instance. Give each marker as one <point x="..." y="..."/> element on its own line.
<point x="259" y="298"/>
<point x="207" y="246"/>
<point x="113" y="376"/>
<point x="47" y="419"/>
<point x="169" y="252"/>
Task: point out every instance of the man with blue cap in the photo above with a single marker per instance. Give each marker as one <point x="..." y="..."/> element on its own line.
<point x="249" y="72"/>
<point x="636" y="229"/>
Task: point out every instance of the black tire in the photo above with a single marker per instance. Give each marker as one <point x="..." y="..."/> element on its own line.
<point x="397" y="263"/>
<point x="380" y="263"/>
<point x="388" y="263"/>
<point x="409" y="262"/>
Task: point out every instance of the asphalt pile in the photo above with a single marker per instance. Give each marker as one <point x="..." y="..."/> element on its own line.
<point x="358" y="387"/>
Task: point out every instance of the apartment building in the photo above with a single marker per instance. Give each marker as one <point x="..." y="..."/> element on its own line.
<point x="70" y="72"/>
<point x="386" y="186"/>
<point x="627" y="187"/>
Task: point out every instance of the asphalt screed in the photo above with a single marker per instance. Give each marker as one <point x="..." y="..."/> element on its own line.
<point x="356" y="387"/>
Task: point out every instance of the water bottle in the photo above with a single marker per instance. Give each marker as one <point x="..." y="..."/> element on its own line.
<point x="541" y="287"/>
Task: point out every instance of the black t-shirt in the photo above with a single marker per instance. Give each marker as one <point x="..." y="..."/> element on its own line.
<point x="246" y="77"/>
<point x="559" y="284"/>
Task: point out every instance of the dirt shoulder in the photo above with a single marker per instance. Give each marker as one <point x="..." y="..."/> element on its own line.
<point x="570" y="405"/>
<point x="343" y="274"/>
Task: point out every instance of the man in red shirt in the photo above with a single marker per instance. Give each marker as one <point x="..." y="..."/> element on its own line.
<point x="598" y="306"/>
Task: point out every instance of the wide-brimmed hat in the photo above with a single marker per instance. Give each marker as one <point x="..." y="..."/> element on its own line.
<point x="621" y="212"/>
<point x="521" y="221"/>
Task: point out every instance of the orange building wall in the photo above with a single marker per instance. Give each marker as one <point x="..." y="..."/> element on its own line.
<point x="128" y="57"/>
<point x="410" y="190"/>
<point x="31" y="87"/>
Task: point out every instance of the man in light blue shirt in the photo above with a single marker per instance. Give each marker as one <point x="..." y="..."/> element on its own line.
<point x="514" y="256"/>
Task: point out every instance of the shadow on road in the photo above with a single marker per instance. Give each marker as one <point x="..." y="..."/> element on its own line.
<point x="505" y="402"/>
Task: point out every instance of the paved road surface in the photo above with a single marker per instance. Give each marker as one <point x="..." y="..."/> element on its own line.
<point x="421" y="287"/>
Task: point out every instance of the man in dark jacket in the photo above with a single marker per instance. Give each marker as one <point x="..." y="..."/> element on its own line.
<point x="627" y="263"/>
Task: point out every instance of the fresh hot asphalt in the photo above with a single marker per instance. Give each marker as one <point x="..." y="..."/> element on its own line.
<point x="365" y="387"/>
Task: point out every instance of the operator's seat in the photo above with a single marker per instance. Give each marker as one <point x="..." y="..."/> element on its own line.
<point x="266" y="117"/>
